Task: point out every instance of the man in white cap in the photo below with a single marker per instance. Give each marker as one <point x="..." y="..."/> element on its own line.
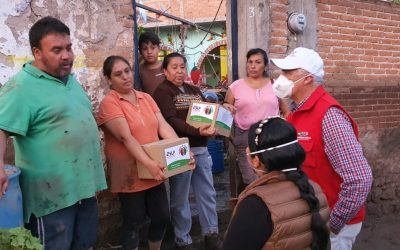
<point x="334" y="157"/>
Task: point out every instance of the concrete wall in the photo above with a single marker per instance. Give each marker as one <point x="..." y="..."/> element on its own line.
<point x="98" y="29"/>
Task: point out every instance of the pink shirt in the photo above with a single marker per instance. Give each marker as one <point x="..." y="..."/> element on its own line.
<point x="253" y="105"/>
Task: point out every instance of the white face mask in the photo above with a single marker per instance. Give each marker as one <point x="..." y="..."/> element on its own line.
<point x="283" y="87"/>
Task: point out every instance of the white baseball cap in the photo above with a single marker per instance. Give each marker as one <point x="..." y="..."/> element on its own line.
<point x="302" y="58"/>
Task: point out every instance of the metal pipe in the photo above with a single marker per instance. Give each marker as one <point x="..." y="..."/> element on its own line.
<point x="235" y="46"/>
<point x="176" y="18"/>
<point x="136" y="82"/>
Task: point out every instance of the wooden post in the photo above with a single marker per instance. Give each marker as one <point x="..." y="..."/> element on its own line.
<point x="308" y="38"/>
<point x="253" y="30"/>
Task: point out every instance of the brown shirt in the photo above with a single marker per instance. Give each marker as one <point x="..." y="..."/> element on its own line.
<point x="150" y="78"/>
<point x="174" y="105"/>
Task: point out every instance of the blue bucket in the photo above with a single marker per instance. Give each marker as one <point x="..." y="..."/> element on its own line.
<point x="216" y="150"/>
<point x="11" y="214"/>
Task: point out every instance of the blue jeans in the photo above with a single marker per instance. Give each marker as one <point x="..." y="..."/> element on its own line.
<point x="201" y="180"/>
<point x="73" y="227"/>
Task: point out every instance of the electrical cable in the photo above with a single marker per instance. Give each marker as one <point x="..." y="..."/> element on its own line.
<point x="209" y="29"/>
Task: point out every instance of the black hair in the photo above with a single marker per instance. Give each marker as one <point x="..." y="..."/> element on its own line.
<point x="277" y="131"/>
<point x="46" y="25"/>
<point x="109" y="64"/>
<point x="258" y="51"/>
<point x="262" y="53"/>
<point x="168" y="58"/>
<point x="147" y="37"/>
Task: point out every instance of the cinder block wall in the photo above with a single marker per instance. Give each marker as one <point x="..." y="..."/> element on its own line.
<point x="359" y="42"/>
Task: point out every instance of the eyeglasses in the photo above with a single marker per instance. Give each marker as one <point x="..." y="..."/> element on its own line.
<point x="260" y="127"/>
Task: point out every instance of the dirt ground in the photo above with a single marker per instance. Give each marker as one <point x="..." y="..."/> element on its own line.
<point x="383" y="233"/>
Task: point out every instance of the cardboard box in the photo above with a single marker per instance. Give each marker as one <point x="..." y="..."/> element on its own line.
<point x="173" y="153"/>
<point x="204" y="113"/>
<point x="224" y="122"/>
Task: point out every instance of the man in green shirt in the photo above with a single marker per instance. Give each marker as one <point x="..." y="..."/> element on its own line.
<point x="56" y="142"/>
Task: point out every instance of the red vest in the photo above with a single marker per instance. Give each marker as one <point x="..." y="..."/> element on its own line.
<point x="308" y="123"/>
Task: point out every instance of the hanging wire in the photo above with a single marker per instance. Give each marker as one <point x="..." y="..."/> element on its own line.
<point x="209" y="29"/>
<point x="212" y="67"/>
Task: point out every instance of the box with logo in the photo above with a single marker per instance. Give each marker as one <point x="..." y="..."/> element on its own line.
<point x="173" y="153"/>
<point x="204" y="113"/>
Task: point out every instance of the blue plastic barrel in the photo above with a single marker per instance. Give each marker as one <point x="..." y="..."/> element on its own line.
<point x="11" y="214"/>
<point x="216" y="150"/>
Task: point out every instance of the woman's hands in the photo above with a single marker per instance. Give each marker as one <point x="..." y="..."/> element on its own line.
<point x="156" y="170"/>
<point x="206" y="130"/>
<point x="230" y="107"/>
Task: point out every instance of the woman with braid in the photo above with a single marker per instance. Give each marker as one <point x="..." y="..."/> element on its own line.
<point x="282" y="209"/>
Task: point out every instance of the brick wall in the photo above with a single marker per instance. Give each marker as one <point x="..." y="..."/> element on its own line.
<point x="359" y="42"/>
<point x="188" y="9"/>
<point x="279" y="32"/>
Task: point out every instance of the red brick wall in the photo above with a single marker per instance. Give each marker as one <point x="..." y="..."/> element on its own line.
<point x="278" y="43"/>
<point x="192" y="9"/>
<point x="359" y="42"/>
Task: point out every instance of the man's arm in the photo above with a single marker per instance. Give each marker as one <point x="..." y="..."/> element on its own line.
<point x="3" y="176"/>
<point x="347" y="159"/>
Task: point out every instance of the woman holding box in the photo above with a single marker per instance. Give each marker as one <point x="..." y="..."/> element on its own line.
<point x="130" y="118"/>
<point x="251" y="99"/>
<point x="173" y="96"/>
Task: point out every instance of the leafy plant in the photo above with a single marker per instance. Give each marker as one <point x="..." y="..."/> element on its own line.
<point x="18" y="238"/>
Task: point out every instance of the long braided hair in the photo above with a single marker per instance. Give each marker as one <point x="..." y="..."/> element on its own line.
<point x="273" y="132"/>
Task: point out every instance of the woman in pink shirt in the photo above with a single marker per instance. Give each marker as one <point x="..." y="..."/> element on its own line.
<point x="250" y="100"/>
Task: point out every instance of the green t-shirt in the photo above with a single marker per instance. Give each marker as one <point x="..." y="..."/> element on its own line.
<point x="56" y="140"/>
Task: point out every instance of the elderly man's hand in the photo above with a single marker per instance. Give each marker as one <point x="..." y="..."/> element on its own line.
<point x="3" y="180"/>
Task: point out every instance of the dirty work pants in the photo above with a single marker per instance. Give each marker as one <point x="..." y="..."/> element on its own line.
<point x="73" y="227"/>
<point x="135" y="206"/>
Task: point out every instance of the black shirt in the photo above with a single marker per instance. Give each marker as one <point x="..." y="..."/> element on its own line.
<point x="251" y="226"/>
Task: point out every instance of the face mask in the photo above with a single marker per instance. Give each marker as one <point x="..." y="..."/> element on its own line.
<point x="283" y="87"/>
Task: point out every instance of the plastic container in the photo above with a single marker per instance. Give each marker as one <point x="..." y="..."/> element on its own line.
<point x="11" y="213"/>
<point x="216" y="150"/>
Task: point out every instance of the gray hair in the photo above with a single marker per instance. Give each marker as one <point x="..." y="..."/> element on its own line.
<point x="318" y="79"/>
